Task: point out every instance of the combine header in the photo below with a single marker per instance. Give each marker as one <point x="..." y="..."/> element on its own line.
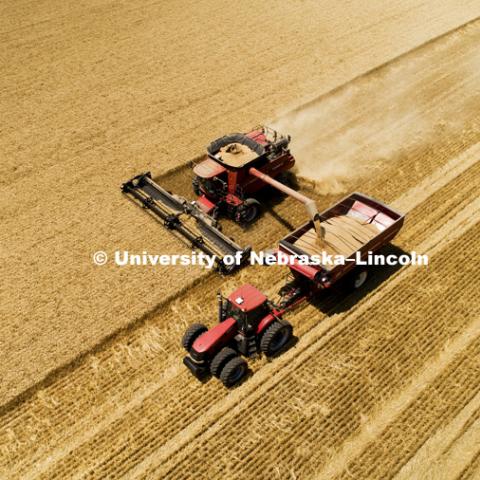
<point x="191" y="224"/>
<point x="235" y="169"/>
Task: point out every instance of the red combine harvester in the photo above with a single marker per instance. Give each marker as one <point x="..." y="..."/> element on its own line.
<point x="250" y="323"/>
<point x="235" y="168"/>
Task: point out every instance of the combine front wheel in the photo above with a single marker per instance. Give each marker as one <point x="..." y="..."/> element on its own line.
<point x="248" y="211"/>
<point x="196" y="186"/>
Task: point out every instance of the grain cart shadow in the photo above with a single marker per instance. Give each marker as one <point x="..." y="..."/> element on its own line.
<point x="341" y="298"/>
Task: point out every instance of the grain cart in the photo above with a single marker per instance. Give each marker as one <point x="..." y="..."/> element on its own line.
<point x="235" y="168"/>
<point x="250" y="323"/>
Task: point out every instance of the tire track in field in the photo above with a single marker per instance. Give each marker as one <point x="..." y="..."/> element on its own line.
<point x="422" y="385"/>
<point x="472" y="471"/>
<point x="209" y="398"/>
<point x="431" y="459"/>
<point x="266" y="379"/>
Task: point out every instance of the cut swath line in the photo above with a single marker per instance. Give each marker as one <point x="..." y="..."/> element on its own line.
<point x="438" y="179"/>
<point x="380" y="420"/>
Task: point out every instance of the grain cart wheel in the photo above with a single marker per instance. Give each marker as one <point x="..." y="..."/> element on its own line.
<point x="233" y="371"/>
<point x="358" y="278"/>
<point x="196" y="186"/>
<point x="275" y="337"/>
<point x="191" y="334"/>
<point x="248" y="211"/>
<point x="220" y="359"/>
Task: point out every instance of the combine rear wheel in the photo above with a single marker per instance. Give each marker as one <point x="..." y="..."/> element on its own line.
<point x="276" y="337"/>
<point x="233" y="371"/>
<point x="248" y="212"/>
<point x="220" y="360"/>
<point x="191" y="334"/>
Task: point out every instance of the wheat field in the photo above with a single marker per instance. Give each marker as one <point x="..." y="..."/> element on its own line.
<point x="379" y="97"/>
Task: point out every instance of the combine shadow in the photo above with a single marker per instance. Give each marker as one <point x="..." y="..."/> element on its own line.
<point x="340" y="298"/>
<point x="270" y="197"/>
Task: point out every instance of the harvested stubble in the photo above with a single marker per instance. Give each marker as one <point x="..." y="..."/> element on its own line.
<point x="129" y="407"/>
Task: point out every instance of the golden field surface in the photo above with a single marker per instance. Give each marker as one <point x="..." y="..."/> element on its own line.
<point x="379" y="97"/>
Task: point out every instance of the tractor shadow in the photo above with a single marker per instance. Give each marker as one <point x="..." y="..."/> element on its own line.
<point x="340" y="298"/>
<point x="210" y="378"/>
<point x="290" y="344"/>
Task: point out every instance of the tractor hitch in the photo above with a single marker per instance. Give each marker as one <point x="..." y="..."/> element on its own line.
<point x="199" y="370"/>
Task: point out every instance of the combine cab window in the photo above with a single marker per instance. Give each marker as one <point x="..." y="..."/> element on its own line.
<point x="213" y="186"/>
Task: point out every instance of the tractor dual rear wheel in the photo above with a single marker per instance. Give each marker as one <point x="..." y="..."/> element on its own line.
<point x="191" y="334"/>
<point x="220" y="360"/>
<point x="233" y="371"/>
<point x="276" y="337"/>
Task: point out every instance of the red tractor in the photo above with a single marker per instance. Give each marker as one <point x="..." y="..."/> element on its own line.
<point x="249" y="323"/>
<point x="236" y="167"/>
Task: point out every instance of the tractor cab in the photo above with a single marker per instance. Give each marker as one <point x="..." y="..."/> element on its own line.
<point x="248" y="306"/>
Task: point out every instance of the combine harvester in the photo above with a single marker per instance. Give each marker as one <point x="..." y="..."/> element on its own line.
<point x="235" y="169"/>
<point x="249" y="323"/>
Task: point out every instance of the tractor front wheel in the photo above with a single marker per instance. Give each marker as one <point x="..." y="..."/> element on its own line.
<point x="233" y="371"/>
<point x="248" y="212"/>
<point x="220" y="360"/>
<point x="276" y="337"/>
<point x="191" y="334"/>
